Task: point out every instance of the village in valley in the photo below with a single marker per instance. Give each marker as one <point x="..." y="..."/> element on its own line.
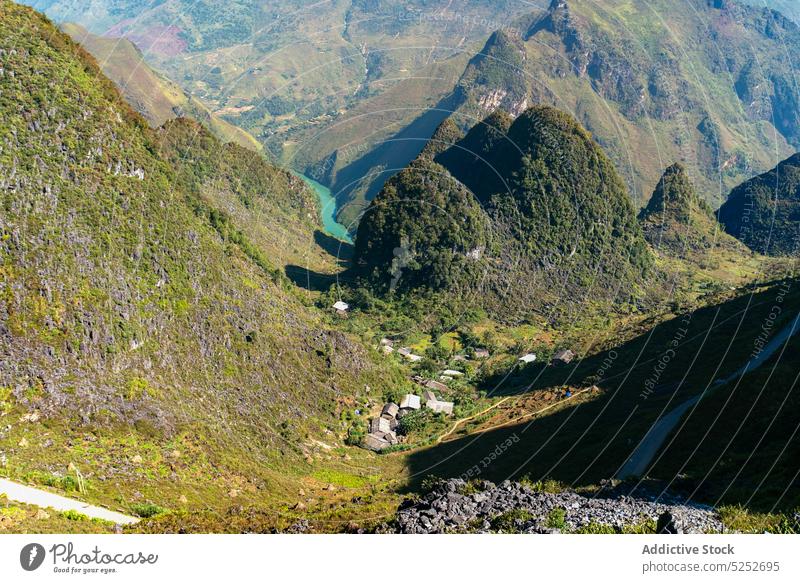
<point x="432" y="395"/>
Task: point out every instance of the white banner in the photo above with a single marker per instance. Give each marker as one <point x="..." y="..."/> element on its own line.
<point x="349" y="558"/>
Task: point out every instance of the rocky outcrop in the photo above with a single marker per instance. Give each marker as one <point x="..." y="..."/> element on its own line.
<point x="457" y="506"/>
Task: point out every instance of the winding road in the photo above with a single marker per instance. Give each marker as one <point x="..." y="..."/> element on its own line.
<point x="640" y="459"/>
<point x="44" y="499"/>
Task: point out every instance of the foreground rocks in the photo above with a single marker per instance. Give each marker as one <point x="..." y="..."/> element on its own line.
<point x="456" y="506"/>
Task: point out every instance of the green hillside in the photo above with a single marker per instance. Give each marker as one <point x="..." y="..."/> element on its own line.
<point x="764" y="212"/>
<point x="554" y="206"/>
<point x="651" y="83"/>
<point x="154" y="96"/>
<point x="424" y="230"/>
<point x="148" y="337"/>
<point x="677" y="222"/>
<point x="737" y="446"/>
<point x="641" y="373"/>
<point x="172" y="342"/>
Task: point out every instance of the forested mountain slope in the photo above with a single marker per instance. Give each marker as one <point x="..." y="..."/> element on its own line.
<point x="544" y="217"/>
<point x="137" y="317"/>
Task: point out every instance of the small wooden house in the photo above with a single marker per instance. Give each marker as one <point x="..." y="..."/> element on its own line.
<point x="410" y="402"/>
<point x="562" y="357"/>
<point x="390" y="410"/>
<point x="445" y="407"/>
<point x="435" y="385"/>
<point x="379" y="425"/>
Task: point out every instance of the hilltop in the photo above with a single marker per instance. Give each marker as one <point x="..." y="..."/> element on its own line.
<point x="554" y="207"/>
<point x="678" y="223"/>
<point x="764" y="212"/>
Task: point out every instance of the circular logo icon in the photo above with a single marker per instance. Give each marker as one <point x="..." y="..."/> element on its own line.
<point x="31" y="556"/>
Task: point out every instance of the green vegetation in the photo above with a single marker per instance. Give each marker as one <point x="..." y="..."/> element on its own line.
<point x="543" y="486"/>
<point x="594" y="528"/>
<point x="681" y="226"/>
<point x="736" y="447"/>
<point x="556" y="518"/>
<point x="74" y="515"/>
<point x="425" y="231"/>
<point x="738" y="519"/>
<point x="144" y="269"/>
<point x="421" y="232"/>
<point x="340" y="478"/>
<point x="415" y="421"/>
<point x="578" y="442"/>
<point x="511" y="521"/>
<point x="155" y="339"/>
<point x="762" y="212"/>
<point x="147" y="510"/>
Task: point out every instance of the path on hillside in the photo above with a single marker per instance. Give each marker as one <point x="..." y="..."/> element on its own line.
<point x="517" y="420"/>
<point x="650" y="445"/>
<point x="44" y="499"/>
<point x="471" y="417"/>
<point x="513" y="421"/>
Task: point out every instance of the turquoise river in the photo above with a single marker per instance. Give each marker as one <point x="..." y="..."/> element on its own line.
<point x="327" y="205"/>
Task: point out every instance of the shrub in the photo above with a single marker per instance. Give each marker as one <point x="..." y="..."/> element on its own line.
<point x="69" y="484"/>
<point x="136" y="388"/>
<point x="437" y="353"/>
<point x="147" y="510"/>
<point x="355" y="435"/>
<point x="595" y="528"/>
<point x="5" y="400"/>
<point x="414" y="421"/>
<point x="430" y="483"/>
<point x="543" y="486"/>
<point x="74" y="515"/>
<point x="472" y="487"/>
<point x="556" y="518"/>
<point x="512" y="520"/>
<point x="739" y="519"/>
<point x="646" y="526"/>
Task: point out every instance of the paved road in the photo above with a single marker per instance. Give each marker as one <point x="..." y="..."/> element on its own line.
<point x="640" y="459"/>
<point x="43" y="499"/>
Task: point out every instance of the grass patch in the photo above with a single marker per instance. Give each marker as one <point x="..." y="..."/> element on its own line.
<point x="557" y="518"/>
<point x="74" y="515"/>
<point x="341" y="479"/>
<point x="739" y="519"/>
<point x="596" y="528"/>
<point x="147" y="510"/>
<point x="511" y="521"/>
<point x="543" y="486"/>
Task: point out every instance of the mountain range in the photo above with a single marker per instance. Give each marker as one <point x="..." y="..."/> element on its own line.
<point x="180" y="339"/>
<point x="349" y="99"/>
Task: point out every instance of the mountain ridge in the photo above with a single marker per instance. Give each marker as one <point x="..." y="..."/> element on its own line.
<point x="137" y="315"/>
<point x="562" y="213"/>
